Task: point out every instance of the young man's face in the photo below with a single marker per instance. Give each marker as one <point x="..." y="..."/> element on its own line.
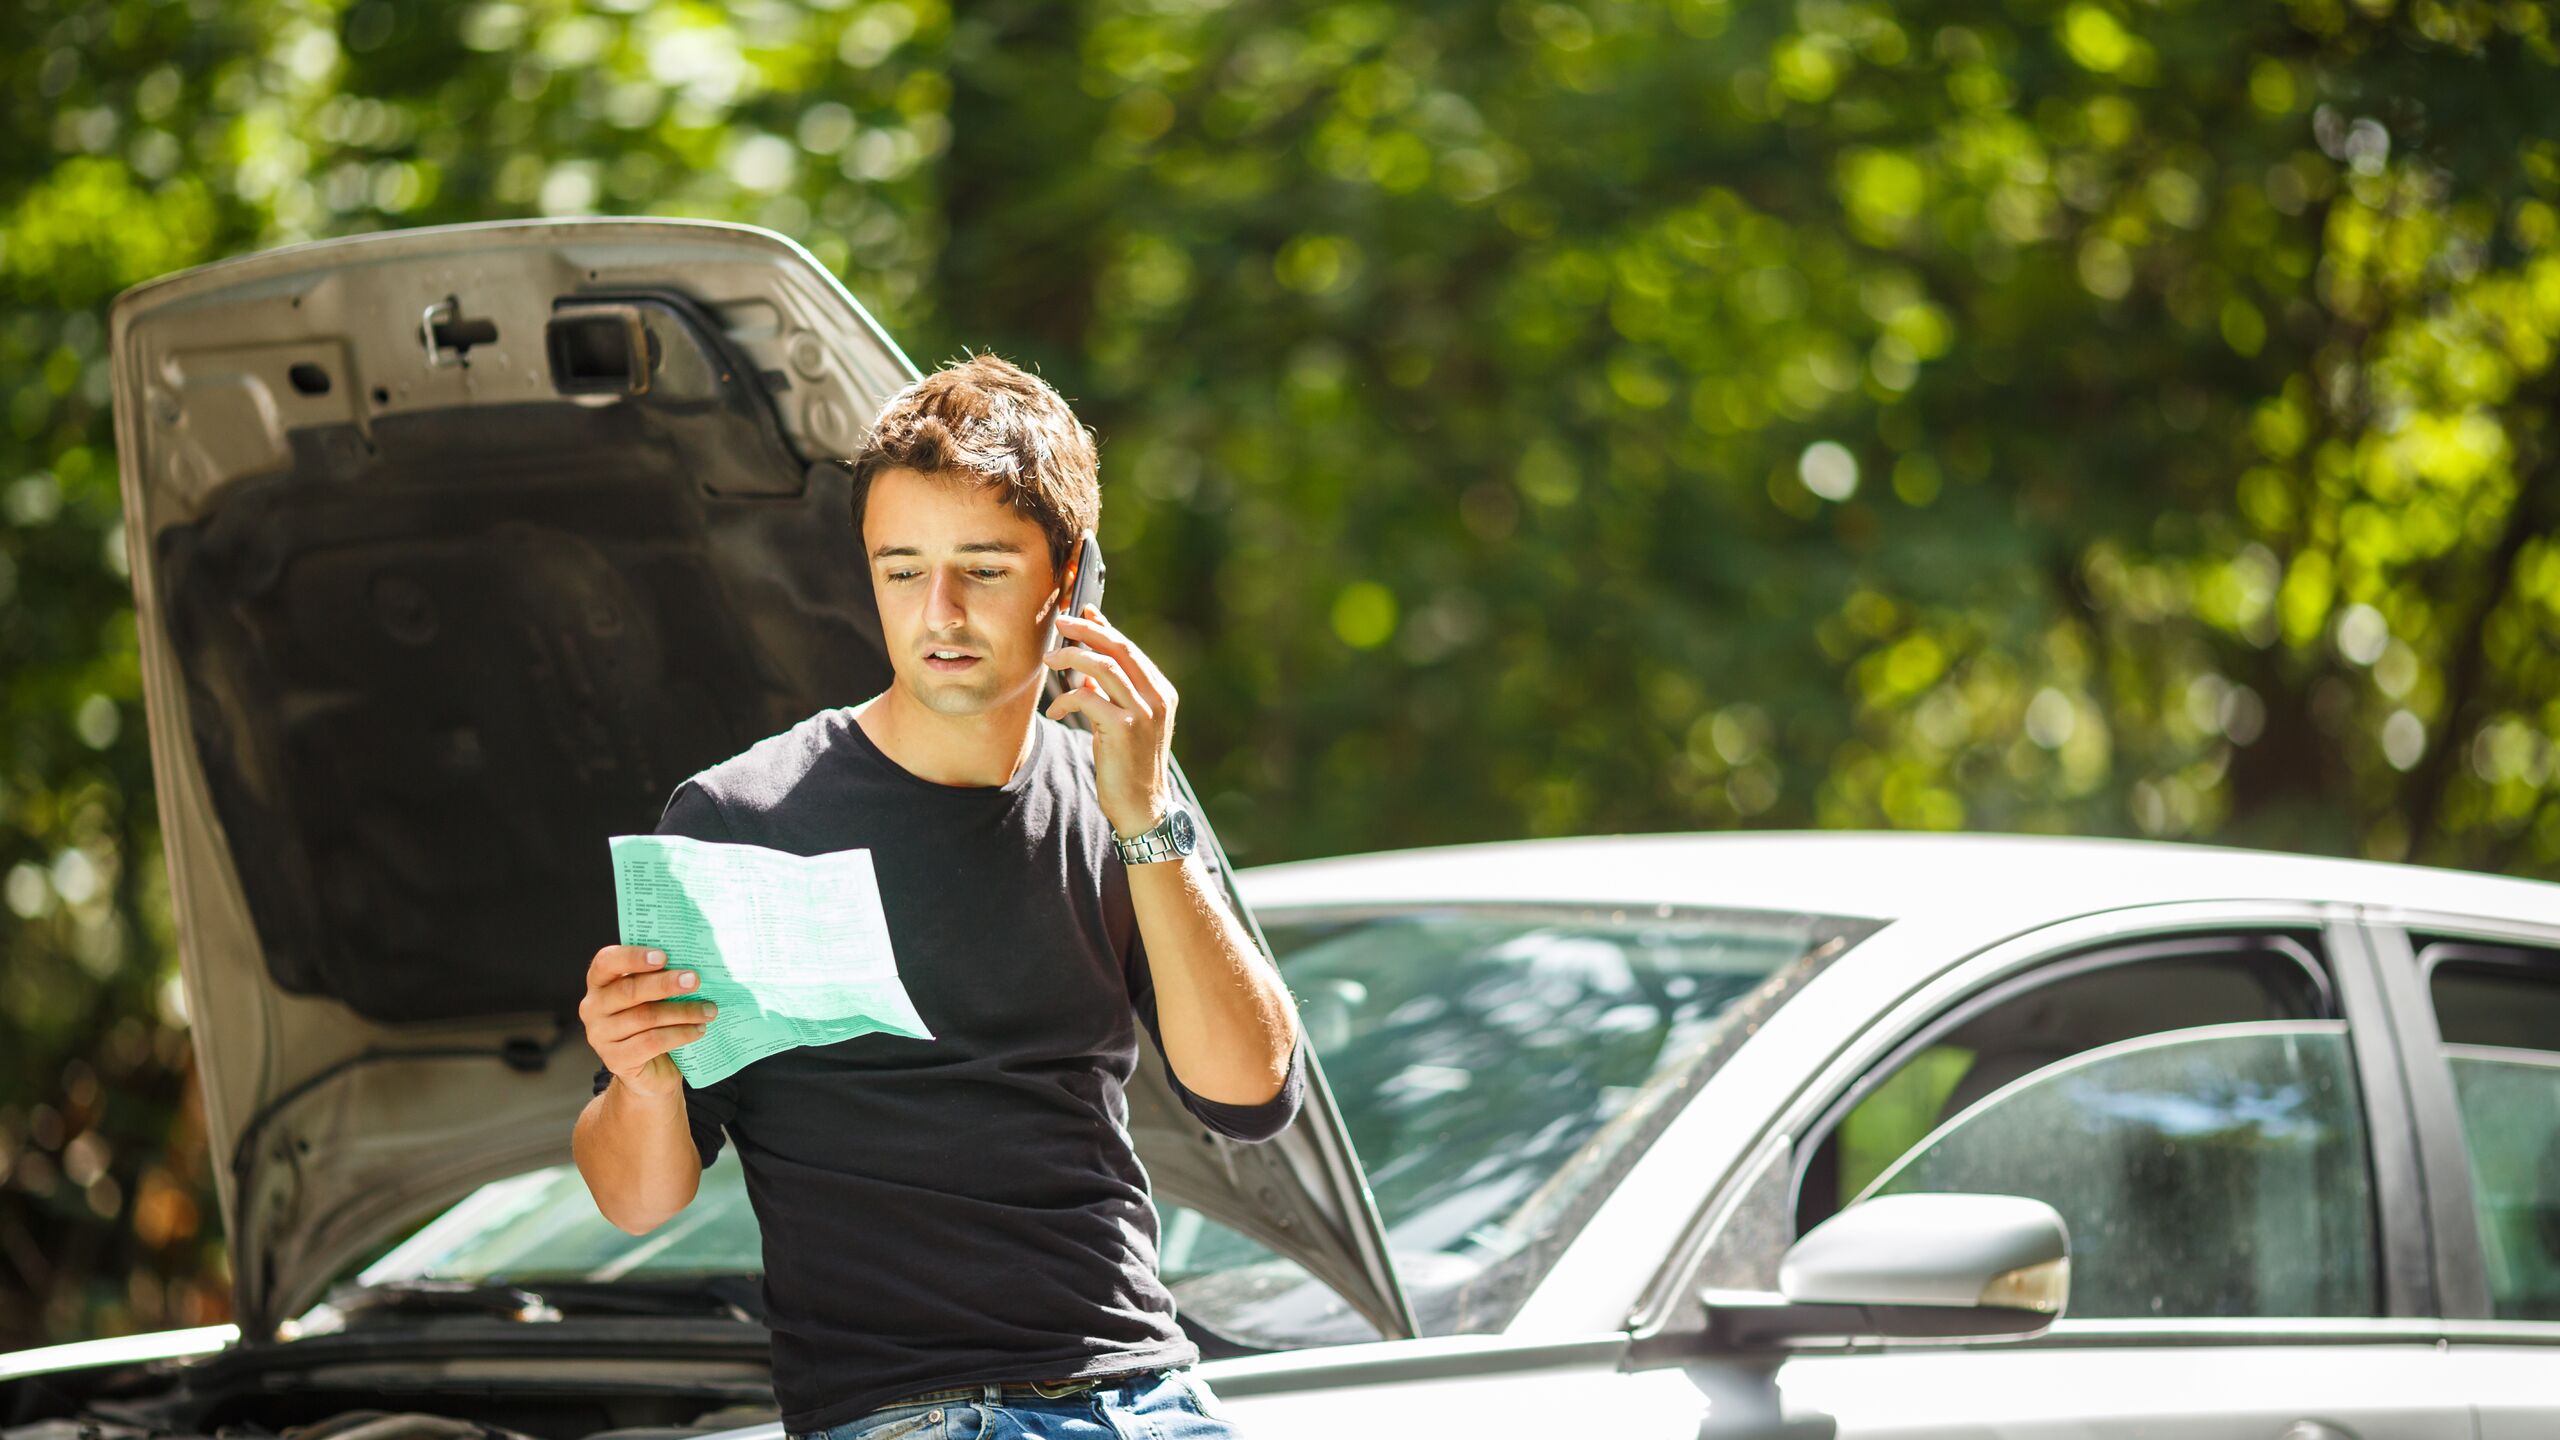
<point x="955" y="569"/>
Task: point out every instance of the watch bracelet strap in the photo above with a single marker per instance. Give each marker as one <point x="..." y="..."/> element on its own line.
<point x="1151" y="844"/>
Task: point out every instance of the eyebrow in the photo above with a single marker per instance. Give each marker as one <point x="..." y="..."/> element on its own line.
<point x="973" y="547"/>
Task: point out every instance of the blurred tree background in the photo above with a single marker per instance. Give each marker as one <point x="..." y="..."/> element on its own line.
<point x="1521" y="417"/>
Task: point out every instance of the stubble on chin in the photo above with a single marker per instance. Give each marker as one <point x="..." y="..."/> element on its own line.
<point x="944" y="697"/>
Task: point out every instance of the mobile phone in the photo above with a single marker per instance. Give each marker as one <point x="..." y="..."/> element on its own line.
<point x="1083" y="586"/>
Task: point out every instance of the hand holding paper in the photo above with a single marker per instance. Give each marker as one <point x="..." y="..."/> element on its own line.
<point x="794" y="949"/>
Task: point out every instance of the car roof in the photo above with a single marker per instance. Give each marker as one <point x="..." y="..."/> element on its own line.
<point x="1879" y="876"/>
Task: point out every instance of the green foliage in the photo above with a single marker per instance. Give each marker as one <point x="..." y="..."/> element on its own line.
<point x="1518" y="418"/>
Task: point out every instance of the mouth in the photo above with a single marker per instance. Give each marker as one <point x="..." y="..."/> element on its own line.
<point x="948" y="660"/>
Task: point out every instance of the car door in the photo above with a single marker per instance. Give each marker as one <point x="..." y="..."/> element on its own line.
<point x="2477" y="1003"/>
<point x="2215" y="1109"/>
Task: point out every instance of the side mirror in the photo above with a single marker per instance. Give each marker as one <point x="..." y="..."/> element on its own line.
<point x="1939" y="1267"/>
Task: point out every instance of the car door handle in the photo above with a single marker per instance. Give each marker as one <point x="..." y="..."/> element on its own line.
<point x="2315" y="1430"/>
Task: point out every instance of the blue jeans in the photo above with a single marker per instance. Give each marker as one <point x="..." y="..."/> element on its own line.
<point x="1174" y="1405"/>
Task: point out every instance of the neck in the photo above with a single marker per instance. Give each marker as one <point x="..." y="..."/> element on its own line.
<point x="968" y="750"/>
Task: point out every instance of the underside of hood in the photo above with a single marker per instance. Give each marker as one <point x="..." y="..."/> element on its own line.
<point x="454" y="550"/>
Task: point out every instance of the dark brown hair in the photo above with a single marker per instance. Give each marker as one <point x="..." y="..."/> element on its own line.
<point x="986" y="419"/>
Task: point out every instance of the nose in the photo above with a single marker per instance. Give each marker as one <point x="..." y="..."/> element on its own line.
<point x="942" y="608"/>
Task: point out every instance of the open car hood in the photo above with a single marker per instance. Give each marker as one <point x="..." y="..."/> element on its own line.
<point x="453" y="551"/>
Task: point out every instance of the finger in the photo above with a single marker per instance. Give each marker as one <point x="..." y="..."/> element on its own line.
<point x="1104" y="670"/>
<point x="640" y="1019"/>
<point x="651" y="985"/>
<point x="1094" y="634"/>
<point x="614" y="961"/>
<point x="1137" y="672"/>
<point x="670" y="1037"/>
<point x="1090" y="629"/>
<point x="1098" y="711"/>
<point x="1150" y="680"/>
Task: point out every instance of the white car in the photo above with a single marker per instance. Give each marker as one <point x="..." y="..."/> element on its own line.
<point x="1663" y="1136"/>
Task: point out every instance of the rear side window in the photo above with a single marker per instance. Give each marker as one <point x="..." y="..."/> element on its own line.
<point x="2498" y="1008"/>
<point x="2189" y="1105"/>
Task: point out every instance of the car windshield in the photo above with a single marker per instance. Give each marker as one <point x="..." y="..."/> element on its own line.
<point x="1498" y="1068"/>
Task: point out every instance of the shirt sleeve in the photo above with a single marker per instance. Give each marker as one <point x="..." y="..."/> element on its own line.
<point x="691" y="811"/>
<point x="1249" y="1123"/>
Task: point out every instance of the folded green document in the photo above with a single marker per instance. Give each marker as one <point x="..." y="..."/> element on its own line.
<point x="794" y="949"/>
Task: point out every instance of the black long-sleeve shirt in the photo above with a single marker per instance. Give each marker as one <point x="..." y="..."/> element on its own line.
<point x="967" y="1208"/>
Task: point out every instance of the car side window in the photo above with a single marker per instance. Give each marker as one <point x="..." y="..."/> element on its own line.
<point x="2188" y="1105"/>
<point x="2209" y="1172"/>
<point x="2498" y="1008"/>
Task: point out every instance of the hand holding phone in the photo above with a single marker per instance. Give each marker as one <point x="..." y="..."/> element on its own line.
<point x="1082" y="586"/>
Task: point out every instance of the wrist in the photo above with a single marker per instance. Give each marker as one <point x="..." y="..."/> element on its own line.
<point x="1140" y="826"/>
<point x="1170" y="835"/>
<point x="636" y="1091"/>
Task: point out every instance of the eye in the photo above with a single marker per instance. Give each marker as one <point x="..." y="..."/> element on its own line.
<point x="901" y="574"/>
<point x="991" y="573"/>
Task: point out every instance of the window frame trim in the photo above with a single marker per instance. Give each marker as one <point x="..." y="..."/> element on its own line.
<point x="2401" y="1234"/>
<point x="2324" y="1027"/>
<point x="2060" y="968"/>
<point x="2458" y="1254"/>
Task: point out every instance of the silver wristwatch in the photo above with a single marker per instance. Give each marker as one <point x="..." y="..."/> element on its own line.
<point x="1170" y="838"/>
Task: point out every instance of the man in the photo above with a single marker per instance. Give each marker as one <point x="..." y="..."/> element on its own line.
<point x="958" y="1239"/>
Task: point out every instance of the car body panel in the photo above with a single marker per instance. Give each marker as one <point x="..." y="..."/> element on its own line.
<point x="418" y="632"/>
<point x="2194" y="1392"/>
<point x="2509" y="1373"/>
<point x="1459" y="1385"/>
<point x="2244" y="1390"/>
<point x="1994" y="884"/>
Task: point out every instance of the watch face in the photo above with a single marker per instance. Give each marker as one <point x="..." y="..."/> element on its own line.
<point x="1180" y="832"/>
